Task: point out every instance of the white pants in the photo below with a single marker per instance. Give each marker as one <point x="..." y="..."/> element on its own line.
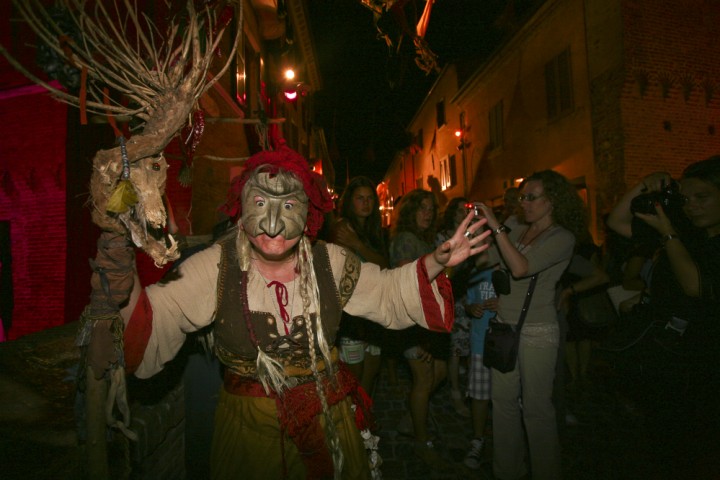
<point x="532" y="380"/>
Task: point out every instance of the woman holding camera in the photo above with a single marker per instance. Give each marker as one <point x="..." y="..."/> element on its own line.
<point x="554" y="216"/>
<point x="681" y="360"/>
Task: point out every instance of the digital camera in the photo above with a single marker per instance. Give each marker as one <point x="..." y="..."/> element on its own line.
<point x="671" y="201"/>
<point x="475" y="207"/>
<point x="669" y="198"/>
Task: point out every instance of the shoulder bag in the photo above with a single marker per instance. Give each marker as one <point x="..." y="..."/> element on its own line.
<point x="502" y="340"/>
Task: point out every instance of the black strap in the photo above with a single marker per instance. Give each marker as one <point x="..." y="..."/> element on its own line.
<point x="526" y="305"/>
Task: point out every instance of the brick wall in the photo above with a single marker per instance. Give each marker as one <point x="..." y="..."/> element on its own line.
<point x="32" y="199"/>
<point x="672" y="49"/>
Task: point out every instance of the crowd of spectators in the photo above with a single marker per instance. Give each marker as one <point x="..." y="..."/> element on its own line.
<point x="658" y="249"/>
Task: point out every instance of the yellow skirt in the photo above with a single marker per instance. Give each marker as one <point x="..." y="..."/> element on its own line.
<point x="247" y="444"/>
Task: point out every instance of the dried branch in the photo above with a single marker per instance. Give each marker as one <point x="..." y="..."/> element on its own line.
<point x="162" y="76"/>
<point x="145" y="70"/>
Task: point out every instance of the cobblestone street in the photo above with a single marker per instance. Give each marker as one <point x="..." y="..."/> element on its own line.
<point x="607" y="443"/>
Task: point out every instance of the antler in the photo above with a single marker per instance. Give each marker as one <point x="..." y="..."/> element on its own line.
<point x="125" y="51"/>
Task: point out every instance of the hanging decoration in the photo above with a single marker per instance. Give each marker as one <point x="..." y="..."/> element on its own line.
<point x="426" y="60"/>
<point x="393" y="26"/>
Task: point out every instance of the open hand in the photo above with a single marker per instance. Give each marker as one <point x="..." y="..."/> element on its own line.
<point x="465" y="242"/>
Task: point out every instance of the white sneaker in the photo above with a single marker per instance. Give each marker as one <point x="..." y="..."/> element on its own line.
<point x="474" y="456"/>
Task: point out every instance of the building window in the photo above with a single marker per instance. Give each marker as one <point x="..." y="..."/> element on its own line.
<point x="448" y="175"/>
<point x="497" y="131"/>
<point x="558" y="85"/>
<point x="440" y="113"/>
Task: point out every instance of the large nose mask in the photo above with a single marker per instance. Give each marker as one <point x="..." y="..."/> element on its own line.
<point x="274" y="205"/>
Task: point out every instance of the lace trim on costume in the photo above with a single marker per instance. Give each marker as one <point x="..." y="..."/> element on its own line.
<point x="350" y="276"/>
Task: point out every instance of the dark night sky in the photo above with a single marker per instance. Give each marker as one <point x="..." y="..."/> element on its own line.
<point x="359" y="104"/>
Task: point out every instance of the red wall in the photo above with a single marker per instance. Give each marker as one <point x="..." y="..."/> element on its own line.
<point x="32" y="167"/>
<point x="37" y="200"/>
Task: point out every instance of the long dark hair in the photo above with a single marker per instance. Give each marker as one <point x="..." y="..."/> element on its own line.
<point x="448" y="218"/>
<point x="371" y="231"/>
<point x="569" y="210"/>
<point x="406" y="217"/>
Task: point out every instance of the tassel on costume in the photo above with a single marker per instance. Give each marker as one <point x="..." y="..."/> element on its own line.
<point x="271" y="373"/>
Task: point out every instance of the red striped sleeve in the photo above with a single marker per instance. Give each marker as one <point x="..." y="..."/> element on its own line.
<point x="435" y="320"/>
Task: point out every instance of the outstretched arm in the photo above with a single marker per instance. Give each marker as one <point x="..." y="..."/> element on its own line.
<point x="465" y="243"/>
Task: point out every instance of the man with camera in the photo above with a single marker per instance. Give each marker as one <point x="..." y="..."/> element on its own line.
<point x="679" y="355"/>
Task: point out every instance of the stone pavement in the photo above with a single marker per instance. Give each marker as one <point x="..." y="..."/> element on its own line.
<point x="452" y="434"/>
<point x="610" y="441"/>
<point x="607" y="443"/>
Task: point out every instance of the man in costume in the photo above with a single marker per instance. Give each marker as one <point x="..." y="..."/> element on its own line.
<point x="288" y="409"/>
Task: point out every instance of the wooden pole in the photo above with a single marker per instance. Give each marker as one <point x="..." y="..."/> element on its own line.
<point x="96" y="395"/>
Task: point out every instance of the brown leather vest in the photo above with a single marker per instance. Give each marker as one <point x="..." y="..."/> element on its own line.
<point x="232" y="337"/>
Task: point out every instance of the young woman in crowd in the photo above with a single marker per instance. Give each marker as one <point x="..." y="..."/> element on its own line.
<point x="412" y="237"/>
<point x="554" y="216"/>
<point x="359" y="229"/>
<point x="680" y="373"/>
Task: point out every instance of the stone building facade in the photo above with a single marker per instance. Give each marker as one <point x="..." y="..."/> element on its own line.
<point x="603" y="91"/>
